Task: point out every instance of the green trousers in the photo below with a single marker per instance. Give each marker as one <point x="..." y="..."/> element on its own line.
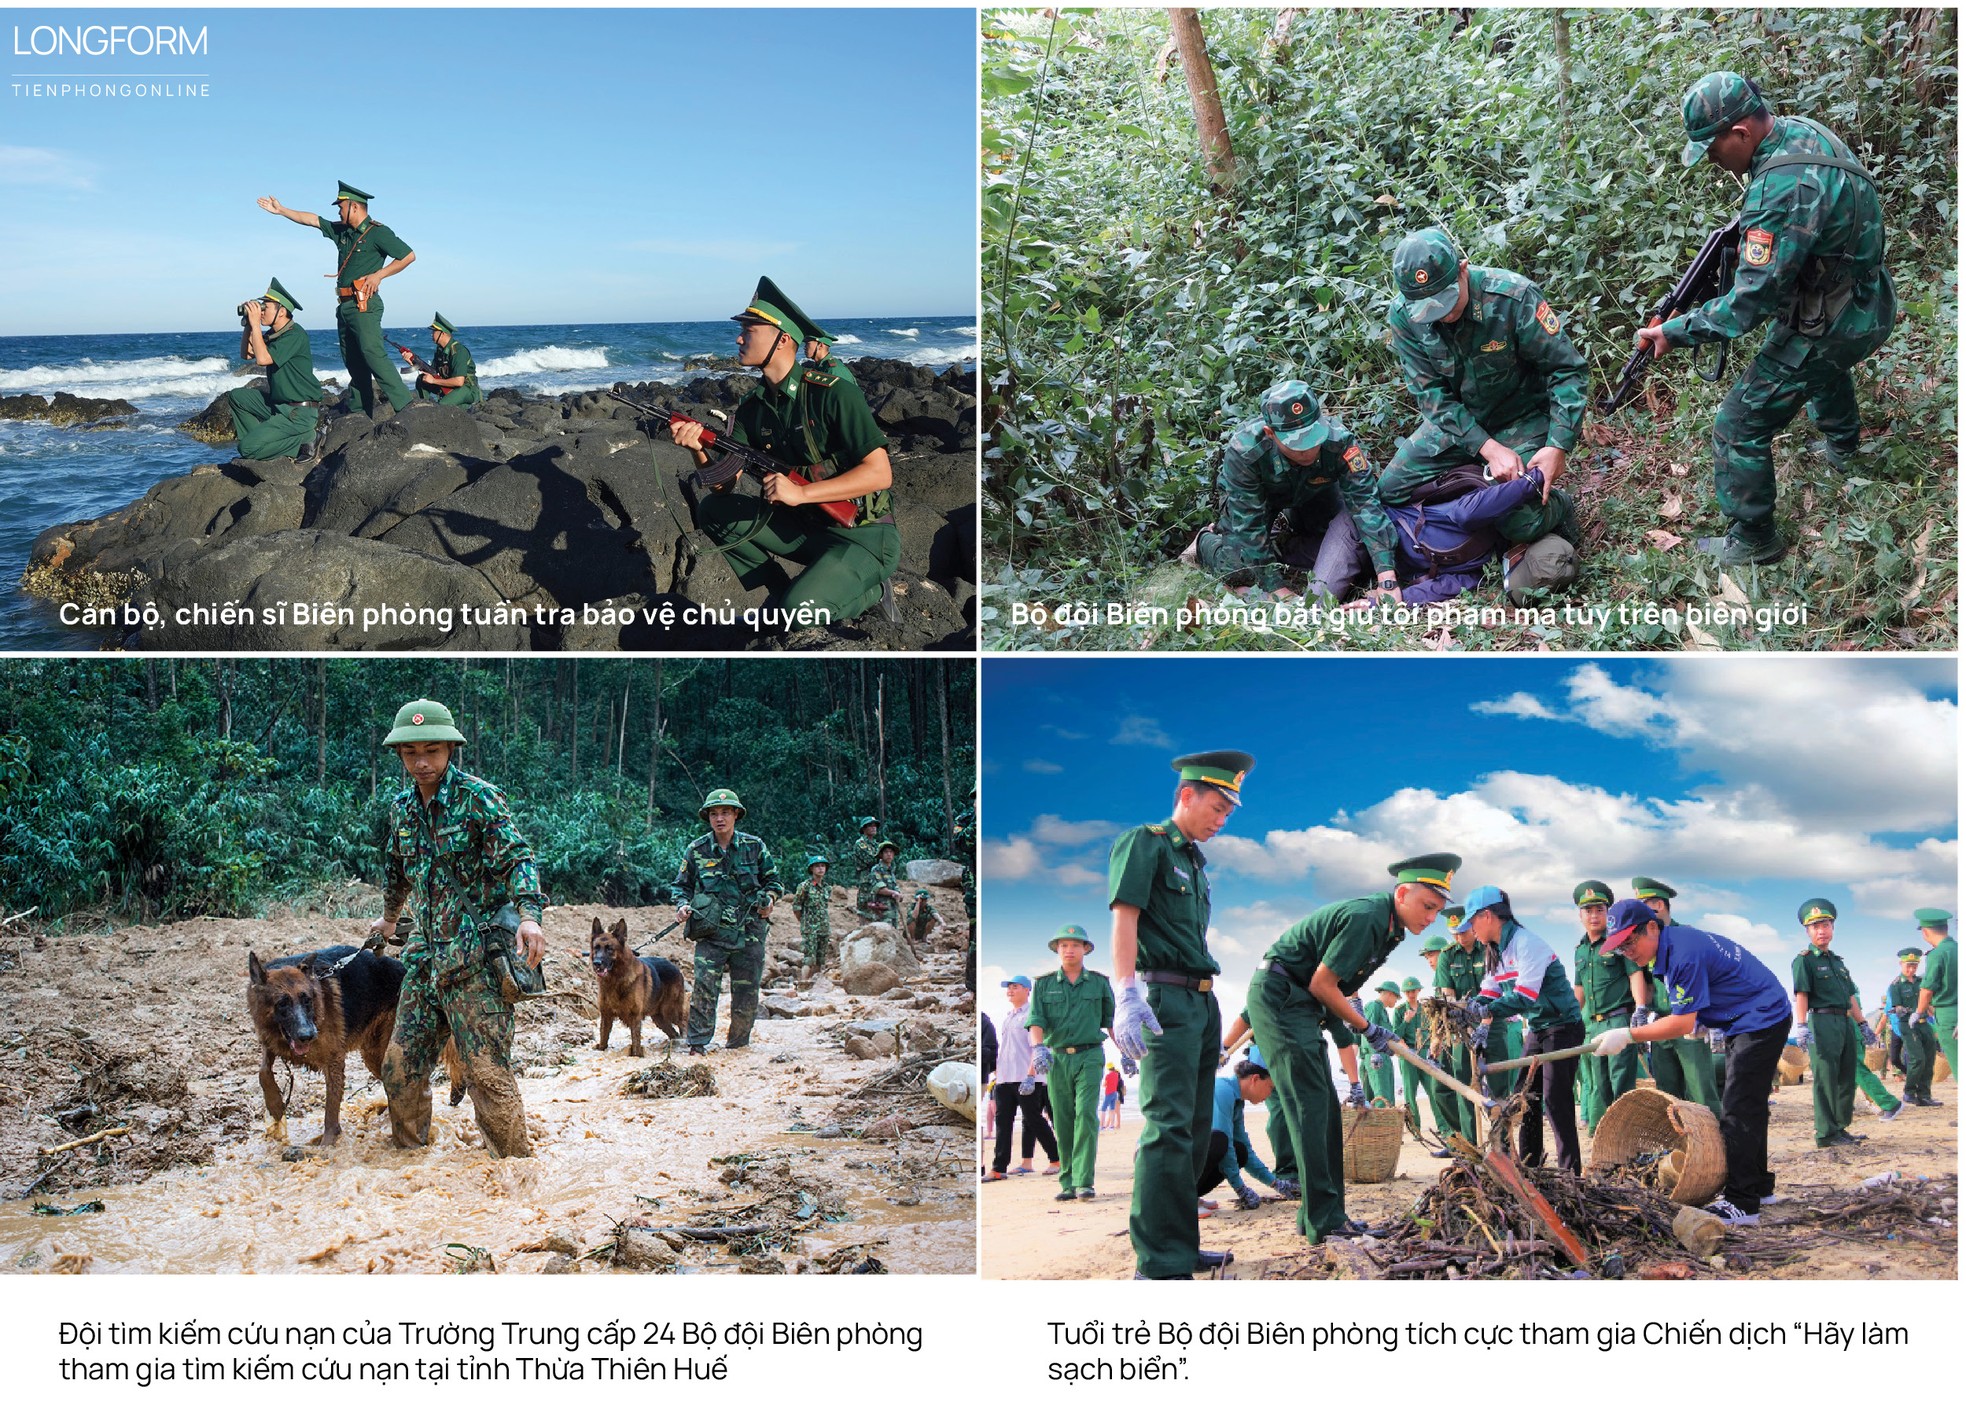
<point x="1177" y="1110"/>
<point x="1833" y="1071"/>
<point x="1683" y="1067"/>
<point x="1289" y="1028"/>
<point x="457" y="398"/>
<point x="1453" y="1114"/>
<point x="1606" y="1079"/>
<point x="1409" y="1078"/>
<point x="1921" y="1051"/>
<point x="844" y="567"/>
<point x="1428" y="453"/>
<point x="1283" y="1160"/>
<point x="366" y="358"/>
<point x="269" y="431"/>
<point x="1504" y="1044"/>
<point x="1376" y="1072"/>
<point x="1871" y="1085"/>
<point x="1074" y="1086"/>
<point x="464" y="1005"/>
<point x="1946" y="1026"/>
<point x="745" y="961"/>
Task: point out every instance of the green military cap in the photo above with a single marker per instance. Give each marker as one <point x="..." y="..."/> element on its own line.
<point x="887" y="846"/>
<point x="1386" y="986"/>
<point x="438" y="322"/>
<point x="277" y="291"/>
<point x="424" y="721"/>
<point x="866" y="822"/>
<point x="348" y="192"/>
<point x="816" y="860"/>
<point x="1070" y="932"/>
<point x="1433" y="946"/>
<point x="1933" y="919"/>
<point x="1911" y="952"/>
<point x="1455" y="917"/>
<point x="1813" y="909"/>
<point x="1436" y="870"/>
<point x="921" y="894"/>
<point x="721" y="797"/>
<point x="1427" y="269"/>
<point x="1408" y="983"/>
<point x="1291" y="413"/>
<point x="1712" y="106"/>
<point x="771" y="306"/>
<point x="1645" y="888"/>
<point x="1223" y="771"/>
<point x="1592" y="893"/>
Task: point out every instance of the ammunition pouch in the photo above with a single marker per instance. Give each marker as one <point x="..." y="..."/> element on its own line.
<point x="510" y="972"/>
<point x="1822" y="294"/>
<point x="706" y="917"/>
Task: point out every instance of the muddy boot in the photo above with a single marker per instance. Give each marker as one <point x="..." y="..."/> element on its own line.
<point x="743" y="1012"/>
<point x="501" y="1111"/>
<point x="409" y="1101"/>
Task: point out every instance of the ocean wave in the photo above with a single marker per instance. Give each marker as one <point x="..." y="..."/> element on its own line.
<point x="847" y="339"/>
<point x="940" y="357"/>
<point x="123" y="378"/>
<point x="969" y="330"/>
<point x="905" y="334"/>
<point x="550" y="359"/>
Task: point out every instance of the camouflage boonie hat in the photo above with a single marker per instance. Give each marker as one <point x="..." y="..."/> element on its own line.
<point x="865" y="822"/>
<point x="423" y="721"/>
<point x="1291" y="413"/>
<point x="722" y="797"/>
<point x="922" y="893"/>
<point x="888" y="846"/>
<point x="1427" y="270"/>
<point x="1547" y="563"/>
<point x="1070" y="932"/>
<point x="1712" y="106"/>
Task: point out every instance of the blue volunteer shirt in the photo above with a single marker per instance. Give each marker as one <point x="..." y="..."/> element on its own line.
<point x="1228" y="1121"/>
<point x="1719" y="981"/>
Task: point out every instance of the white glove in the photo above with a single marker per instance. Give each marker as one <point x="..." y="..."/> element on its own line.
<point x="1134" y="1020"/>
<point x="1613" y="1041"/>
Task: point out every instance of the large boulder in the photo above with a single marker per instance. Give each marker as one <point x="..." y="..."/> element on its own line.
<point x="935" y="873"/>
<point x="214" y="425"/>
<point x="64" y="410"/>
<point x="390" y="471"/>
<point x="868" y="979"/>
<point x="879" y="943"/>
<point x="177" y="518"/>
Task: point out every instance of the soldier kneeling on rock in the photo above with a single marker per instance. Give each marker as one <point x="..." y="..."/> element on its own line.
<point x="279" y="422"/>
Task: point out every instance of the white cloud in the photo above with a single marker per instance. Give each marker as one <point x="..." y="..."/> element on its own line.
<point x="45" y="167"/>
<point x="1762" y="939"/>
<point x="1039" y="765"/>
<point x="1071" y="734"/>
<point x="1146" y="732"/>
<point x="1011" y="860"/>
<point x="1058" y="832"/>
<point x="1075" y="875"/>
<point x="1516" y="705"/>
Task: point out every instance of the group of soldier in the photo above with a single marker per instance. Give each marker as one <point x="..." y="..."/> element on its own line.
<point x="1645" y="993"/>
<point x="1502" y="391"/>
<point x="806" y="412"/>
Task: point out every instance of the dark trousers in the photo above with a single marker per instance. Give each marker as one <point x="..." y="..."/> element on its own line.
<point x="1557" y="1096"/>
<point x="1037" y="1131"/>
<point x="1211" y="1171"/>
<point x="1751" y="1060"/>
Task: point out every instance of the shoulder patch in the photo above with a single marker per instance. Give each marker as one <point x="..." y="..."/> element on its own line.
<point x="1546" y="317"/>
<point x="1356" y="460"/>
<point x="1757" y="246"/>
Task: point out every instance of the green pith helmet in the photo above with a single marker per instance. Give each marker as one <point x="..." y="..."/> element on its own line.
<point x="1433" y="946"/>
<point x="887" y="846"/>
<point x="438" y="322"/>
<point x="1386" y="986"/>
<point x="722" y="797"/>
<point x="278" y="292"/>
<point x="1592" y="893"/>
<point x="812" y="861"/>
<point x="921" y="894"/>
<point x="1814" y="909"/>
<point x="1409" y="983"/>
<point x="1291" y="413"/>
<point x="1070" y="932"/>
<point x="866" y="822"/>
<point x="1712" y="106"/>
<point x="423" y="721"/>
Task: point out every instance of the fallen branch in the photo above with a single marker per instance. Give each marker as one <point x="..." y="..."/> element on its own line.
<point x="102" y="1135"/>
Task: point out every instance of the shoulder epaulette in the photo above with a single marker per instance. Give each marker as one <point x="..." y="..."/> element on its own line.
<point x="819" y="379"/>
<point x="1157" y="830"/>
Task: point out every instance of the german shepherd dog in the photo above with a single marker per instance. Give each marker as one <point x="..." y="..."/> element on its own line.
<point x="634" y="988"/>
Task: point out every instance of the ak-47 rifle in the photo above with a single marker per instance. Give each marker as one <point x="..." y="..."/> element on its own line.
<point x="730" y="458"/>
<point x="415" y="360"/>
<point x="1711" y="275"/>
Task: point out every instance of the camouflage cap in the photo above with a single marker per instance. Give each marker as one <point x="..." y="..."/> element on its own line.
<point x="1427" y="270"/>
<point x="438" y="322"/>
<point x="349" y="192"/>
<point x="1712" y="106"/>
<point x="1813" y="909"/>
<point x="1592" y="893"/>
<point x="277" y="291"/>
<point x="1070" y="932"/>
<point x="423" y="721"/>
<point x="1292" y="415"/>
<point x="1223" y="771"/>
<point x="720" y="797"/>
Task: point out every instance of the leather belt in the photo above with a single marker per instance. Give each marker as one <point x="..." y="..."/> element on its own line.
<point x="1600" y="1018"/>
<point x="1201" y="984"/>
<point x="1077" y="1048"/>
<point x="1276" y="968"/>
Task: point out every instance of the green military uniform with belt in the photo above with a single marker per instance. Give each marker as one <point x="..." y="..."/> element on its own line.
<point x="814" y="898"/>
<point x="455" y="862"/>
<point x="1921" y="1042"/>
<point x="1503" y="370"/>
<point x="1411" y="1026"/>
<point x="1158" y="871"/>
<point x="1458" y="969"/>
<point x="362" y="251"/>
<point x="1351" y="938"/>
<point x="281" y="421"/>
<point x="1074" y="1016"/>
<point x="1812" y="261"/>
<point x="728" y="889"/>
<point x="821" y="424"/>
<point x="1682" y="1067"/>
<point x="871" y="903"/>
<point x="1608" y="1002"/>
<point x="1823" y="980"/>
<point x="1942" y="978"/>
<point x="1376" y="1071"/>
<point x="451" y="361"/>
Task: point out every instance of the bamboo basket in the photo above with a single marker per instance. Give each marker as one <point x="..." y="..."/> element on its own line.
<point x="1875" y="1059"/>
<point x="1372" y="1140"/>
<point x="1941" y="1069"/>
<point x="1794" y="1065"/>
<point x="1650" y="1120"/>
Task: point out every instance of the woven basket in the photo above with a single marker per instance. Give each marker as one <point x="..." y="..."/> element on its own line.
<point x="1648" y="1121"/>
<point x="1794" y="1065"/>
<point x="1875" y="1058"/>
<point x="1372" y="1139"/>
<point x="1941" y="1069"/>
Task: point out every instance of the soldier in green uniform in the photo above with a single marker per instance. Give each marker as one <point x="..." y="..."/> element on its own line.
<point x="1826" y="1001"/>
<point x="1168" y="1019"/>
<point x="1305" y="978"/>
<point x="922" y="917"/>
<point x="1497" y="380"/>
<point x="814" y="900"/>
<point x="1457" y="977"/>
<point x="880" y="894"/>
<point x="1071" y="1017"/>
<point x="1921" y="1041"/>
<point x="727" y="884"/>
<point x="368" y="254"/>
<point x="280" y="422"/>
<point x="1295" y="481"/>
<point x="1609" y="989"/>
<point x="1378" y="1068"/>
<point x="1811" y="261"/>
<point x="1680" y="1066"/>
<point x="456" y="860"/>
<point x="1410" y="1026"/>
<point x="815" y="421"/>
<point x="866" y="856"/>
<point x="455" y="380"/>
<point x="1938" y="999"/>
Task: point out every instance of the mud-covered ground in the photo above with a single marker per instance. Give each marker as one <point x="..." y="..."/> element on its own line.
<point x="146" y="1029"/>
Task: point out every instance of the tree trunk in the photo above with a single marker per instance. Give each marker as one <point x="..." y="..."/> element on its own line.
<point x="1217" y="156"/>
<point x="948" y="793"/>
<point x="880" y="747"/>
<point x="150" y="684"/>
<point x="655" y="739"/>
<point x="573" y="730"/>
<point x="321" y="724"/>
<point x="1561" y="22"/>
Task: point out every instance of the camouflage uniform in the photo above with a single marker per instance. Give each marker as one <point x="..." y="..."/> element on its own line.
<point x="736" y="882"/>
<point x="815" y="920"/>
<point x="1504" y="370"/>
<point x="872" y="905"/>
<point x="866" y="856"/>
<point x="1332" y="499"/>
<point x="455" y="863"/>
<point x="1811" y="260"/>
<point x="922" y="917"/>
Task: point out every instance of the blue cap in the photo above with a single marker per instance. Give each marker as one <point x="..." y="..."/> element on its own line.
<point x="1481" y="898"/>
<point x="1625" y="917"/>
<point x="1256" y="1057"/>
<point x="1023" y="981"/>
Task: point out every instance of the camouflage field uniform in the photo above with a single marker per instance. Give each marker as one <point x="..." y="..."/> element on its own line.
<point x="455" y="864"/>
<point x="815" y="920"/>
<point x="1504" y="370"/>
<point x="923" y="917"/>
<point x="1811" y="260"/>
<point x="738" y="881"/>
<point x="1333" y="494"/>
<point x="871" y="904"/>
<point x="866" y="856"/>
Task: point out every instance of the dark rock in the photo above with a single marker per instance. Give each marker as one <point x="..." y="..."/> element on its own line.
<point x="174" y="519"/>
<point x="214" y="425"/>
<point x="368" y="484"/>
<point x="63" y="410"/>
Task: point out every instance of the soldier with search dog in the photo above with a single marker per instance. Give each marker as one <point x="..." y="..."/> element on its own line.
<point x="727" y="884"/>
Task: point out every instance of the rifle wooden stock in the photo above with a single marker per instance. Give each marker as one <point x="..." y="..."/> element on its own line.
<point x="731" y="458"/>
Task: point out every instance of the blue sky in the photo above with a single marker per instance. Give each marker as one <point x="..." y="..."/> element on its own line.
<point x="548" y="166"/>
<point x="1748" y="783"/>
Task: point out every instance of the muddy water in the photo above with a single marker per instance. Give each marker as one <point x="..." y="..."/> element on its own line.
<point x="600" y="1157"/>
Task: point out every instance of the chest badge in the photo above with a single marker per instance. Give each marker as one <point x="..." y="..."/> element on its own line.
<point x="1495" y="345"/>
